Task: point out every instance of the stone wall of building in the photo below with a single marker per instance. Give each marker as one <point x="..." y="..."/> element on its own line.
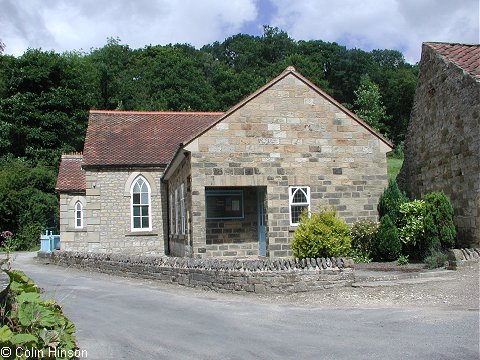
<point x="107" y="215"/>
<point x="259" y="276"/>
<point x="442" y="147"/>
<point x="180" y="244"/>
<point x="289" y="135"/>
<point x="73" y="238"/>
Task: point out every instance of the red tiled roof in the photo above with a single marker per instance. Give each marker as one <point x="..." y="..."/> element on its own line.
<point x="71" y="176"/>
<point x="466" y="57"/>
<point x="140" y="138"/>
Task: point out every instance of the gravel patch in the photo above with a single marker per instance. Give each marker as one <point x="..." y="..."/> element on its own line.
<point x="456" y="289"/>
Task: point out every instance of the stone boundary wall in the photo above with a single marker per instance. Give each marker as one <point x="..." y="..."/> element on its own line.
<point x="249" y="275"/>
<point x="464" y="257"/>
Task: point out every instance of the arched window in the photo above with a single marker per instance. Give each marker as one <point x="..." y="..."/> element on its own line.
<point x="141" y="215"/>
<point x="78" y="215"/>
<point x="299" y="201"/>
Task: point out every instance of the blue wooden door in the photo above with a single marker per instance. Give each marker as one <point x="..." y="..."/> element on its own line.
<point x="262" y="244"/>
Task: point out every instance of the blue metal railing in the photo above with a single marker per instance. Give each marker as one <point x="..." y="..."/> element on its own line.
<point x="49" y="242"/>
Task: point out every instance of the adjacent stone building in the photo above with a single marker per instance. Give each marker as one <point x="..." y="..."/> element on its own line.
<point x="442" y="147"/>
<point x="227" y="184"/>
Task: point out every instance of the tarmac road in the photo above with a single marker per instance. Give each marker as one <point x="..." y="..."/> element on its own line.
<point x="121" y="318"/>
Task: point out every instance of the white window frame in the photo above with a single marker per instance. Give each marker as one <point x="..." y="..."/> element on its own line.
<point x="149" y="205"/>
<point x="172" y="214"/>
<point x="177" y="215"/>
<point x="182" y="210"/>
<point x="78" y="211"/>
<point x="292" y="190"/>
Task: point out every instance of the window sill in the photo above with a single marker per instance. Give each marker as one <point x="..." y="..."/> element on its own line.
<point x="292" y="228"/>
<point x="141" y="233"/>
<point x="76" y="229"/>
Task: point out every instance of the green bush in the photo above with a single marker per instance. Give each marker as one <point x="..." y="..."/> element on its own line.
<point x="29" y="237"/>
<point x="29" y="322"/>
<point x="387" y="245"/>
<point x="411" y="223"/>
<point x="363" y="233"/>
<point x="390" y="201"/>
<point x="402" y="260"/>
<point x="321" y="235"/>
<point x="397" y="152"/>
<point x="439" y="224"/>
<point x="359" y="257"/>
<point x="28" y="202"/>
<point x="436" y="259"/>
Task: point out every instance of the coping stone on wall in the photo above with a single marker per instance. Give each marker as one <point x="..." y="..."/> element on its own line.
<point x="463" y="257"/>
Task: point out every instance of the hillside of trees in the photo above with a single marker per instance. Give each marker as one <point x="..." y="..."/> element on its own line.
<point x="45" y="97"/>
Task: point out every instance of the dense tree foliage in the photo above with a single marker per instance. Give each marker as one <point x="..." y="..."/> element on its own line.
<point x="369" y="104"/>
<point x="45" y="96"/>
<point x="27" y="200"/>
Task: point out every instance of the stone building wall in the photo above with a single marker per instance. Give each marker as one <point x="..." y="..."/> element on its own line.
<point x="73" y="238"/>
<point x="107" y="215"/>
<point x="289" y="135"/>
<point x="442" y="147"/>
<point x="180" y="244"/>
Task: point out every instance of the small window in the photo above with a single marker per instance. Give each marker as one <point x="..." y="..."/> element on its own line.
<point x="299" y="201"/>
<point x="172" y="215"/>
<point x="78" y="215"/>
<point x="224" y="204"/>
<point x="177" y="212"/>
<point x="182" y="210"/>
<point x="141" y="219"/>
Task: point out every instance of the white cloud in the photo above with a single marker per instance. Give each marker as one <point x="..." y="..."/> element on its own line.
<point x="367" y="24"/>
<point x="72" y="25"/>
<point x="373" y="24"/>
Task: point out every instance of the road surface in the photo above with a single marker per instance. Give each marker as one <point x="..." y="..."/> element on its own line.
<point x="122" y="318"/>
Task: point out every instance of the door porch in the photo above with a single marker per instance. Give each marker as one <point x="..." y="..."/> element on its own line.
<point x="235" y="221"/>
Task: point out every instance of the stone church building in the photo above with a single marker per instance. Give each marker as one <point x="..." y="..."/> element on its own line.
<point x="227" y="184"/>
<point x="442" y="147"/>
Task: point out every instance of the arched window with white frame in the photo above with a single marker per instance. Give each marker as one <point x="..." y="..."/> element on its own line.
<point x="299" y="202"/>
<point x="78" y="215"/>
<point x="140" y="204"/>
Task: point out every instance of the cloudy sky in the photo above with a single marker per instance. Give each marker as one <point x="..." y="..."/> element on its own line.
<point x="63" y="25"/>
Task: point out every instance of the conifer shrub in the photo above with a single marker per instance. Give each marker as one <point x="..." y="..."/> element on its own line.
<point x="390" y="201"/>
<point x="387" y="244"/>
<point x="439" y="224"/>
<point x="321" y="235"/>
